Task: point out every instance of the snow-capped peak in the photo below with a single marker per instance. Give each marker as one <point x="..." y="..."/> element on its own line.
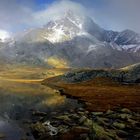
<point x="65" y="28"/>
<point x="76" y="19"/>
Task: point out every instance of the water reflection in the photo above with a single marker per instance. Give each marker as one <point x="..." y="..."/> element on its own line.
<point x="17" y="99"/>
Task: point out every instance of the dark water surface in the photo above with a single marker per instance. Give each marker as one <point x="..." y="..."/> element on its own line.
<point x="18" y="99"/>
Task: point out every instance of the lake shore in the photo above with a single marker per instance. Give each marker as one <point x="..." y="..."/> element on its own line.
<point x="100" y="94"/>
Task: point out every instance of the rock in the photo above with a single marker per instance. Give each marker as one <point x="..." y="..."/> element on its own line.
<point x="56" y="123"/>
<point x="71" y="111"/>
<point x="88" y="104"/>
<point x="125" y="110"/>
<point x="87" y="138"/>
<point x="70" y="124"/>
<point x="81" y="109"/>
<point x="98" y="132"/>
<point x="53" y="130"/>
<point x="74" y="116"/>
<point x="119" y="125"/>
<point x="82" y="119"/>
<point x="86" y="112"/>
<point x="84" y="125"/>
<point x="63" y="129"/>
<point x="137" y="136"/>
<point x="97" y="113"/>
<point x="103" y="121"/>
<point x="80" y="113"/>
<point x="39" y="129"/>
<point x="88" y="123"/>
<point x="75" y="133"/>
<point x="132" y="122"/>
<point x="119" y="116"/>
<point x="124" y="116"/>
<point x="109" y="112"/>
<point x="66" y="113"/>
<point x="101" y="133"/>
<point x="38" y="113"/>
<point x="63" y="118"/>
<point x="24" y="138"/>
<point x="46" y="137"/>
<point x="122" y="133"/>
<point x="67" y="136"/>
<point x="80" y="129"/>
<point x="54" y="113"/>
<point x="83" y="136"/>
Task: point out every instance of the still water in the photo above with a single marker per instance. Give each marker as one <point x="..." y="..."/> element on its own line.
<point x="19" y="98"/>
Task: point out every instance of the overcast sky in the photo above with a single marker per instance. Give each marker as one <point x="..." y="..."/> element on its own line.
<point x="17" y="15"/>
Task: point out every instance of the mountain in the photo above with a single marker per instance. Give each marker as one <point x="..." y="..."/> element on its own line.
<point x="75" y="40"/>
<point x="129" y="74"/>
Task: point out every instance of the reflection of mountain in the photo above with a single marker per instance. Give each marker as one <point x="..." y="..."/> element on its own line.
<point x="78" y="41"/>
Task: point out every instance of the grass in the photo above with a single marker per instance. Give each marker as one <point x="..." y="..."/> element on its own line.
<point x="101" y="94"/>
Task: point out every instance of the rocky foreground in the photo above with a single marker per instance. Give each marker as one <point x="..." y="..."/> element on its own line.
<point x="80" y="124"/>
<point x="101" y="92"/>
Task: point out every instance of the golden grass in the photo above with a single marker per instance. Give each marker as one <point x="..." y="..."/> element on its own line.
<point x="25" y="79"/>
<point x="57" y="62"/>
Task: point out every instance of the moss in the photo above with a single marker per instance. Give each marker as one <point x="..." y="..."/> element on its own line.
<point x="98" y="132"/>
<point x="119" y="125"/>
<point x="64" y="117"/>
<point x="38" y="129"/>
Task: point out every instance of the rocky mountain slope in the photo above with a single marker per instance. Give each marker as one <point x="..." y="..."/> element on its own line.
<point x="130" y="74"/>
<point x="77" y="40"/>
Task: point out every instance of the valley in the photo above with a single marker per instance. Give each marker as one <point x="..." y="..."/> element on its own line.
<point x="31" y="96"/>
<point x="69" y="79"/>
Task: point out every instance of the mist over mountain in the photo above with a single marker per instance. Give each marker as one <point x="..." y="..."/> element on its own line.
<point x="75" y="40"/>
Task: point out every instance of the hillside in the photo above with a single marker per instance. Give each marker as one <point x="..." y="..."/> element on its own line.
<point x="129" y="74"/>
<point x="101" y="89"/>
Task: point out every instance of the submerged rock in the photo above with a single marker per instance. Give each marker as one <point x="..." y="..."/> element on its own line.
<point x="2" y="136"/>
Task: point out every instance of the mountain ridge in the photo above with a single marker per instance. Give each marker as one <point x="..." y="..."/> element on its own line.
<point x="78" y="40"/>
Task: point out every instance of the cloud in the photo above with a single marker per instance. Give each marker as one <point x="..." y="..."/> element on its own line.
<point x="16" y="15"/>
<point x="4" y="34"/>
<point x="118" y="14"/>
<point x="56" y="10"/>
<point x="126" y="12"/>
<point x="13" y="14"/>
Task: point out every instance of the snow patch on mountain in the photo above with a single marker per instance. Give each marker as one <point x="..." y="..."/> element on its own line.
<point x="56" y="36"/>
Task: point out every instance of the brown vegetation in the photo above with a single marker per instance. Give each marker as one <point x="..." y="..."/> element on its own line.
<point x="101" y="94"/>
